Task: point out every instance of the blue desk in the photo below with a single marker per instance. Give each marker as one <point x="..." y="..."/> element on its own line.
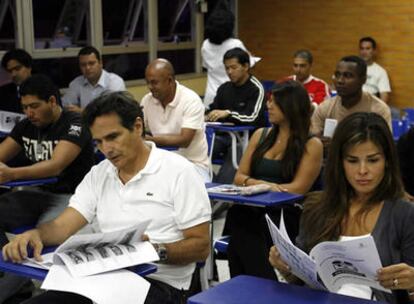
<point x="168" y="148"/>
<point x="233" y="132"/>
<point x="40" y="274"/>
<point x="30" y="182"/>
<point x="266" y="199"/>
<point x="248" y="289"/>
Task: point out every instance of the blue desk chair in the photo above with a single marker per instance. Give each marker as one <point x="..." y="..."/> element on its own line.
<point x="409" y="115"/>
<point x="399" y="127"/>
<point x="30" y="182"/>
<point x="221" y="244"/>
<point x="210" y="136"/>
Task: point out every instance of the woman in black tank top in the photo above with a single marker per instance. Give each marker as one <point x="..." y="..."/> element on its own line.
<point x="287" y="158"/>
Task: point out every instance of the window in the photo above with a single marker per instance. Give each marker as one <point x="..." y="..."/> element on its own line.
<point x="128" y="33"/>
<point x="7" y="24"/>
<point x="123" y="24"/>
<point x="174" y="21"/>
<point x="60" y="24"/>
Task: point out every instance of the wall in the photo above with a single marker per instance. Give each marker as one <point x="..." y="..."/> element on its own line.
<point x="274" y="29"/>
<point x="198" y="84"/>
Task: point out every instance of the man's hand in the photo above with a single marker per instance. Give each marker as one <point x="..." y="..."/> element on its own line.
<point x="74" y="108"/>
<point x="6" y="173"/>
<point x="217" y="114"/>
<point x="16" y="249"/>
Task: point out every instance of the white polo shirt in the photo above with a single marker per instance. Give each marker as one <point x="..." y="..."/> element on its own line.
<point x="185" y="111"/>
<point x="377" y="80"/>
<point x="167" y="190"/>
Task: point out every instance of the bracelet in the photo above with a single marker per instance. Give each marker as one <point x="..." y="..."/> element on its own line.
<point x="245" y="181"/>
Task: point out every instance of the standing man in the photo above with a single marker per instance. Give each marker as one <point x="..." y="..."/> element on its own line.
<point x="136" y="182"/>
<point x="377" y="78"/>
<point x="239" y="101"/>
<point x="93" y="81"/>
<point x="174" y="116"/>
<point x="55" y="143"/>
<point x="317" y="89"/>
<point x="349" y="77"/>
<point x="18" y="63"/>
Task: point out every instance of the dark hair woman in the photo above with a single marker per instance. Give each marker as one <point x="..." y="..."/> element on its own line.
<point x="284" y="157"/>
<point x="362" y="195"/>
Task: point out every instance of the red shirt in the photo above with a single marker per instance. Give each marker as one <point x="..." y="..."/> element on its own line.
<point x="318" y="89"/>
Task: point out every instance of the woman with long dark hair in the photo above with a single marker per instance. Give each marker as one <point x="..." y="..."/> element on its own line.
<point x="362" y="195"/>
<point x="283" y="156"/>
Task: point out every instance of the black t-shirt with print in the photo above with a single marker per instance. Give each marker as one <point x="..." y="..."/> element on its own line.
<point x="38" y="145"/>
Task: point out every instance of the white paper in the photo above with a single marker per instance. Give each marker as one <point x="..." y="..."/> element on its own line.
<point x="46" y="263"/>
<point x="231" y="189"/>
<point x="354" y="261"/>
<point x="330" y="126"/>
<point x="300" y="263"/>
<point x="92" y="260"/>
<point x="120" y="286"/>
<point x="336" y="263"/>
<point x="8" y="120"/>
<point x="88" y="254"/>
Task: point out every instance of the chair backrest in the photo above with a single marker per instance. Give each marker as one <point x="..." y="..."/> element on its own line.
<point x="399" y="127"/>
<point x="409" y="114"/>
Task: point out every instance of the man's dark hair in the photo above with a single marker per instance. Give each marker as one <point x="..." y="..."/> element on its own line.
<point x="19" y="55"/>
<point x="369" y="39"/>
<point x="88" y="50"/>
<point x="121" y="103"/>
<point x="41" y="86"/>
<point x="241" y="55"/>
<point x="220" y="24"/>
<point x="304" y="54"/>
<point x="361" y="64"/>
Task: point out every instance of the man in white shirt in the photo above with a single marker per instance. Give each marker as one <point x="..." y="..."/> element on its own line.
<point x="136" y="182"/>
<point x="174" y="116"/>
<point x="93" y="81"/>
<point x="377" y="78"/>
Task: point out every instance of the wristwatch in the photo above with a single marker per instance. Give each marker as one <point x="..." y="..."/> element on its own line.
<point x="161" y="251"/>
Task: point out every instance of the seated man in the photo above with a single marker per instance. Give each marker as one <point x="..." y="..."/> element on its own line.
<point x="55" y="143"/>
<point x="158" y="188"/>
<point x="377" y="82"/>
<point x="18" y="63"/>
<point x="349" y="77"/>
<point x="239" y="101"/>
<point x="174" y="116"/>
<point x="318" y="89"/>
<point x="93" y="81"/>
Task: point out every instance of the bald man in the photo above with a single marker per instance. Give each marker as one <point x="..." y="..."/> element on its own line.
<point x="174" y="116"/>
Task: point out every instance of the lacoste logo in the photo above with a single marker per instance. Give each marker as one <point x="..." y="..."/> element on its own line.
<point x="150" y="194"/>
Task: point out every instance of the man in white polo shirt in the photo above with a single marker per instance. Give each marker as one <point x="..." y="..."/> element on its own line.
<point x="174" y="116"/>
<point x="136" y="182"/>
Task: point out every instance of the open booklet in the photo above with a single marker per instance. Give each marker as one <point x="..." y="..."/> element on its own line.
<point x="335" y="263"/>
<point x="239" y="190"/>
<point x="89" y="254"/>
<point x="8" y="120"/>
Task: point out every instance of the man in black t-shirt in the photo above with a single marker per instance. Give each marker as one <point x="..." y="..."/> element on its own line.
<point x="240" y="101"/>
<point x="55" y="143"/>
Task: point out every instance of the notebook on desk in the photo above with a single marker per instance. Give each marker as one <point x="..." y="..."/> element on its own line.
<point x="8" y="120"/>
<point x="239" y="190"/>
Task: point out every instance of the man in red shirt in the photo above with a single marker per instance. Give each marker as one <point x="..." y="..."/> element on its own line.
<point x="318" y="89"/>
